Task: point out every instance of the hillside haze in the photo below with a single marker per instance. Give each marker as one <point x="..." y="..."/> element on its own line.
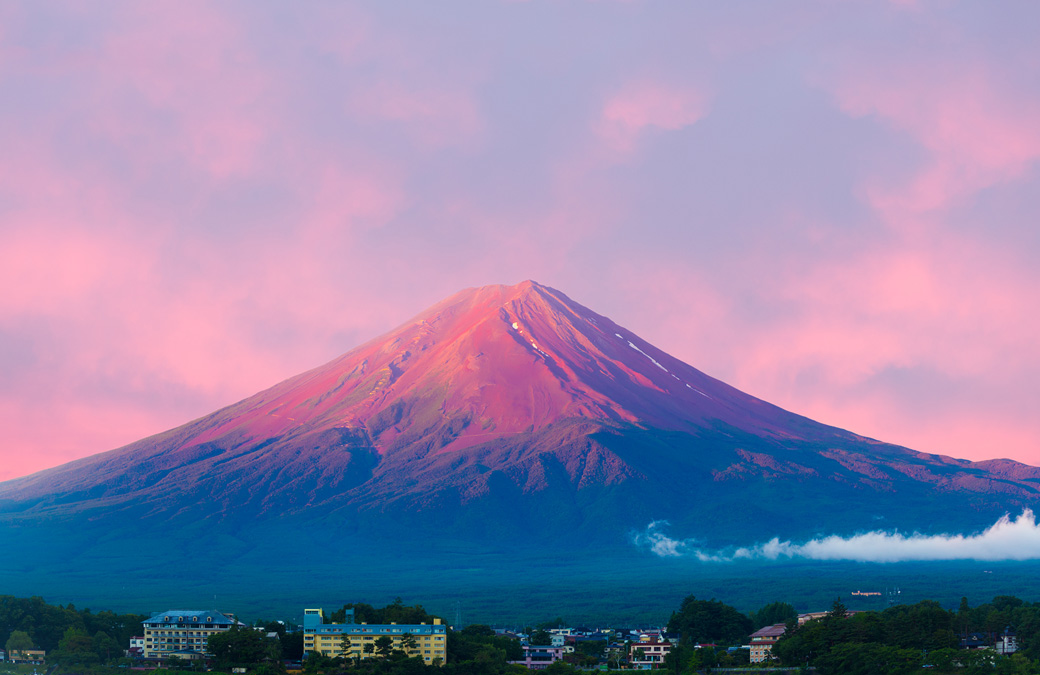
<point x="505" y="421"/>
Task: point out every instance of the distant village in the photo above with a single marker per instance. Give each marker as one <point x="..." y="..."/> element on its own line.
<point x="195" y="639"/>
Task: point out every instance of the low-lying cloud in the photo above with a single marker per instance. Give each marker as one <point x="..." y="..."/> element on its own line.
<point x="1007" y="539"/>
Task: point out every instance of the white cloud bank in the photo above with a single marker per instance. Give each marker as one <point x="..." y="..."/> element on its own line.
<point x="1007" y="539"/>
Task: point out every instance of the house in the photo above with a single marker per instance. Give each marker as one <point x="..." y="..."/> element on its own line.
<point x="183" y="633"/>
<point x="136" y="649"/>
<point x="648" y="653"/>
<point x="539" y="657"/>
<point x="357" y="640"/>
<point x="975" y="641"/>
<point x="762" y="641"/>
<point x="1007" y="642"/>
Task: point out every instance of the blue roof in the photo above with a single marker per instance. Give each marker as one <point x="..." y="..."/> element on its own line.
<point x="191" y="616"/>
<point x="381" y="628"/>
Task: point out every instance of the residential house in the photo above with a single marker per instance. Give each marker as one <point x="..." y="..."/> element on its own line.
<point x="1007" y="641"/>
<point x="648" y="653"/>
<point x="539" y="657"/>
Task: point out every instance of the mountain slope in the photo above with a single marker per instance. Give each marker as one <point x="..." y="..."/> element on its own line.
<point x="504" y="417"/>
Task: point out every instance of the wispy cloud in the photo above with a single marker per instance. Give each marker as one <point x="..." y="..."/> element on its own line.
<point x="1007" y="539"/>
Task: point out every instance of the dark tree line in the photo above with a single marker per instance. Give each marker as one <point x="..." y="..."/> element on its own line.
<point x="709" y="621"/>
<point x="907" y="638"/>
<point x="395" y="612"/>
<point x="67" y="632"/>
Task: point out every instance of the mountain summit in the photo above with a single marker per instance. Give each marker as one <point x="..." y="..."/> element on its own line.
<point x="484" y="366"/>
<point x="503" y="417"/>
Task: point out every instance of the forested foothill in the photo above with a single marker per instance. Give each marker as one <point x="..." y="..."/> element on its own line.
<point x="923" y="637"/>
<point x="67" y="634"/>
<point x="707" y="635"/>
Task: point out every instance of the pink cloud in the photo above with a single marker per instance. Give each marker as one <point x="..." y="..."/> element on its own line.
<point x="38" y="437"/>
<point x="435" y="115"/>
<point x="642" y="106"/>
<point x="181" y="80"/>
<point x="48" y="269"/>
<point x="976" y="125"/>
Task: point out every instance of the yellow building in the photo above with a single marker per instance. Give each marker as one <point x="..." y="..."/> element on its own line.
<point x="358" y="640"/>
<point x="27" y="655"/>
<point x="183" y="632"/>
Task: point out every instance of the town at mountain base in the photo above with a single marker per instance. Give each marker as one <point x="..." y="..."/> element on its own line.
<point x="1002" y="636"/>
<point x="506" y="420"/>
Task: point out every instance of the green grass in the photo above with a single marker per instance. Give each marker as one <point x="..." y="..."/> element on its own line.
<point x="20" y="669"/>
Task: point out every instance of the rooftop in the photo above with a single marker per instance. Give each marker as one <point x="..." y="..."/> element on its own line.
<point x="208" y="616"/>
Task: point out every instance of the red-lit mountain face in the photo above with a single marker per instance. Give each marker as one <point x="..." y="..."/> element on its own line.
<point x="508" y="404"/>
<point x="490" y="363"/>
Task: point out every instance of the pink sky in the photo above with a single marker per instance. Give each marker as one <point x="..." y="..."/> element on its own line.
<point x="832" y="206"/>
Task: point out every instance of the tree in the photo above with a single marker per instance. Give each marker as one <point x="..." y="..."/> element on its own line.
<point x="292" y="645"/>
<point x="316" y="662"/>
<point x="76" y="647"/>
<point x="925" y="625"/>
<point x="541" y="638"/>
<point x="838" y="611"/>
<point x="465" y="645"/>
<point x="852" y="658"/>
<point x="408" y="643"/>
<point x="105" y="647"/>
<point x="1016" y="664"/>
<point x="242" y="646"/>
<point x="709" y="621"/>
<point x="561" y="668"/>
<point x="273" y="627"/>
<point x="345" y="645"/>
<point x="19" y="642"/>
<point x="773" y="613"/>
<point x="395" y="612"/>
<point x="174" y="662"/>
<point x="384" y="645"/>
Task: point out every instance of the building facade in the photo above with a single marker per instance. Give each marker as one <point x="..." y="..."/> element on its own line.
<point x="762" y="642"/>
<point x="184" y="632"/>
<point x="358" y="640"/>
<point x="648" y="653"/>
<point x="35" y="656"/>
<point x="539" y="657"/>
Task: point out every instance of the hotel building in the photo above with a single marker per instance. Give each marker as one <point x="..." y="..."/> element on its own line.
<point x="182" y="632"/>
<point x="357" y="640"/>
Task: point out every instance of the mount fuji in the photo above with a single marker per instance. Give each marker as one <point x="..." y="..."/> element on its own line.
<point x="507" y="421"/>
